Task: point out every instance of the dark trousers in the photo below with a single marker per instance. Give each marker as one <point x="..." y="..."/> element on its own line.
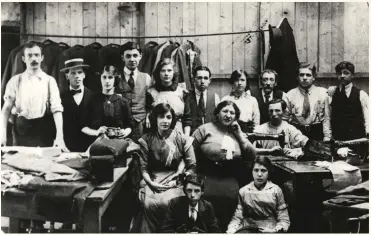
<point x="138" y="129"/>
<point x="34" y="132"/>
<point x="313" y="132"/>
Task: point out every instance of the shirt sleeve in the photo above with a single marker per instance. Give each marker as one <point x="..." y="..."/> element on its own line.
<point x="297" y="139"/>
<point x="283" y="219"/>
<point x="327" y="132"/>
<point x="217" y="100"/>
<point x="198" y="139"/>
<point x="187" y="115"/>
<point x="364" y="103"/>
<point x="11" y="89"/>
<point x="54" y="99"/>
<point x="286" y="112"/>
<point x="256" y="113"/>
<point x="237" y="218"/>
<point x="144" y="149"/>
<point x="126" y="114"/>
<point x="189" y="155"/>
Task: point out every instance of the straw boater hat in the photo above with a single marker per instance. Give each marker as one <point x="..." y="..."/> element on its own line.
<point x="74" y="63"/>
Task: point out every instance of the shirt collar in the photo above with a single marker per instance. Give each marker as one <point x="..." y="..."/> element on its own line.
<point x="196" y="207"/>
<point x="244" y="94"/>
<point x="263" y="93"/>
<point x="347" y="86"/>
<point x="199" y="92"/>
<point x="128" y="71"/>
<point x="267" y="186"/>
<point x="309" y="90"/>
<point x="82" y="89"/>
<point x="40" y="74"/>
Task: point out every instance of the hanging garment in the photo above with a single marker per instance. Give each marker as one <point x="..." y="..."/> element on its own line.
<point x="148" y="66"/>
<point x="110" y="54"/>
<point x="147" y="51"/>
<point x="51" y="54"/>
<point x="283" y="57"/>
<point x="91" y="57"/>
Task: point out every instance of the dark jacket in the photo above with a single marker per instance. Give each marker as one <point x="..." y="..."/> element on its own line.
<point x="91" y="57"/>
<point x="74" y="117"/>
<point x="195" y="112"/>
<point x="110" y="54"/>
<point x="283" y="58"/>
<point x="263" y="107"/>
<point x="147" y="55"/>
<point x="177" y="217"/>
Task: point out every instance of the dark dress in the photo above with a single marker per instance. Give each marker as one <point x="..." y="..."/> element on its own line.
<point x="110" y="111"/>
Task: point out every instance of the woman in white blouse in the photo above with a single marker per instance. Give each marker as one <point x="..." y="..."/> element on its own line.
<point x="240" y="95"/>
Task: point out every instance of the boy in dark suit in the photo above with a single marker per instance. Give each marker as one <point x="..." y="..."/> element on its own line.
<point x="202" y="112"/>
<point x="75" y="102"/>
<point x="190" y="213"/>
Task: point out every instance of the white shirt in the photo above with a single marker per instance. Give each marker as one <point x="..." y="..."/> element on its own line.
<point x="284" y="96"/>
<point x="127" y="73"/>
<point x="78" y="96"/>
<point x="190" y="210"/>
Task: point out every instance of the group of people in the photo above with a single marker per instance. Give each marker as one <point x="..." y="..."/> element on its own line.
<point x="184" y="134"/>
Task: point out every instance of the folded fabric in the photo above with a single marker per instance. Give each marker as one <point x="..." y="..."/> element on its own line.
<point x="293" y="153"/>
<point x="359" y="189"/>
<point x="347" y="201"/>
<point x="104" y="146"/>
<point x="344" y="175"/>
<point x="33" y="163"/>
<point x="14" y="178"/>
<point x="39" y="151"/>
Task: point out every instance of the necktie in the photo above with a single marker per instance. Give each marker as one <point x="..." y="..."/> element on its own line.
<point x="201" y="105"/>
<point x="342" y="92"/>
<point x="193" y="214"/>
<point x="131" y="81"/>
<point x="306" y="105"/>
<point x="267" y="98"/>
<point x="74" y="92"/>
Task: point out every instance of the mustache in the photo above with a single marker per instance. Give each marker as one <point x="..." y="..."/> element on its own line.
<point x="34" y="63"/>
<point x="267" y="86"/>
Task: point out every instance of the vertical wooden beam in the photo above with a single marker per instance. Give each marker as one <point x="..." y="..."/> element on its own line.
<point x="252" y="48"/>
<point x="324" y="64"/>
<point x="23" y="10"/>
<point x="52" y="26"/>
<point x="29" y="20"/>
<point x="101" y="22"/>
<point x="337" y="34"/>
<point x="89" y="28"/>
<point x="163" y="21"/>
<point x="77" y="19"/>
<point x="176" y="19"/>
<point x="39" y="20"/>
<point x="312" y="32"/>
<point x="301" y="30"/>
<point x="151" y="14"/>
<point x="362" y="38"/>
<point x="238" y="25"/>
<point x="113" y="22"/>
<point x="288" y="9"/>
<point x="135" y="25"/>
<point x="213" y="42"/>
<point x="276" y="13"/>
<point x="64" y="21"/>
<point x="226" y="46"/>
<point x="142" y="21"/>
<point x="201" y="15"/>
<point x="350" y="16"/>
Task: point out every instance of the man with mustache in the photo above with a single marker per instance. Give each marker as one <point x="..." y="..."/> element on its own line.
<point x="267" y="92"/>
<point x="306" y="104"/>
<point x="346" y="108"/>
<point x="133" y="86"/>
<point x="33" y="99"/>
<point x="202" y="102"/>
<point x="75" y="102"/>
<point x="293" y="137"/>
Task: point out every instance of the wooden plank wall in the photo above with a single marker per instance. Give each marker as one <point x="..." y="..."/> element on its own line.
<point x="325" y="32"/>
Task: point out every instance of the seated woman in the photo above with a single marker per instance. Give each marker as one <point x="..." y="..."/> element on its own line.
<point x="108" y="109"/>
<point x="221" y="148"/>
<point x="261" y="206"/>
<point x="166" y="90"/>
<point x="248" y="105"/>
<point x="165" y="153"/>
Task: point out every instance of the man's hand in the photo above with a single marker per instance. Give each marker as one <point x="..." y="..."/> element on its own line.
<point x="276" y="150"/>
<point x="343" y="152"/>
<point x="148" y="124"/>
<point x="59" y="142"/>
<point x="101" y="130"/>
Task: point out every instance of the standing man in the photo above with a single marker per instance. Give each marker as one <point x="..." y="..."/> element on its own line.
<point x="267" y="92"/>
<point x="347" y="107"/>
<point x="75" y="102"/>
<point x="133" y="86"/>
<point x="33" y="98"/>
<point x="306" y="104"/>
<point x="190" y="213"/>
<point x="202" y="102"/>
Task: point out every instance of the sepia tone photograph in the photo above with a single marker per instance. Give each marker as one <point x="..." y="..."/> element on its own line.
<point x="184" y="117"/>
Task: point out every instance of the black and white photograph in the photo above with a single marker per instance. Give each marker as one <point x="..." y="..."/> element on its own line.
<point x="184" y="117"/>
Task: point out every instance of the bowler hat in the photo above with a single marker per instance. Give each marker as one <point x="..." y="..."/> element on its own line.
<point x="74" y="63"/>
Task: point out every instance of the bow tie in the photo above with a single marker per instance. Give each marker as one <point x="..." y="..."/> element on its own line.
<point x="74" y="92"/>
